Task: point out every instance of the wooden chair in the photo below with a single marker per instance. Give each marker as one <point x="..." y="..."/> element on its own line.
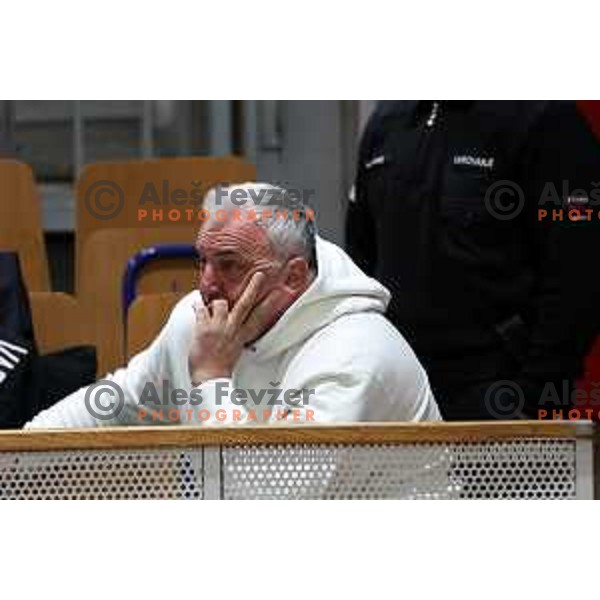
<point x="58" y="318"/>
<point x="146" y="317"/>
<point x="102" y="266"/>
<point x="21" y="223"/>
<point x="58" y="321"/>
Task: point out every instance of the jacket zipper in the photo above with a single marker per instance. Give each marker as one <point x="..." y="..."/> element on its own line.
<point x="435" y="109"/>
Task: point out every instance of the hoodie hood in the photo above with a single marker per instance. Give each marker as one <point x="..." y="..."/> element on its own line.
<point x="340" y="288"/>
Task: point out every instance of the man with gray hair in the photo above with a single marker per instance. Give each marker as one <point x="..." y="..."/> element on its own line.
<point x="284" y="327"/>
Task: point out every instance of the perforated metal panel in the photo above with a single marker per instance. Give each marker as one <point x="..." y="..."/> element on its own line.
<point x="101" y="474"/>
<point x="528" y="468"/>
<point x="512" y="469"/>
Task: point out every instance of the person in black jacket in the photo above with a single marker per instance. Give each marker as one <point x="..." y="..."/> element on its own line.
<point x="481" y="217"/>
<point x="30" y="383"/>
<point x="17" y="345"/>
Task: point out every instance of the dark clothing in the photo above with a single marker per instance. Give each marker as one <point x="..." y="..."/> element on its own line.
<point x="29" y="382"/>
<point x="446" y="216"/>
<point x="17" y="346"/>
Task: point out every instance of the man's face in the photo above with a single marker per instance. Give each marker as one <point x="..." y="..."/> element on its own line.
<point x="230" y="253"/>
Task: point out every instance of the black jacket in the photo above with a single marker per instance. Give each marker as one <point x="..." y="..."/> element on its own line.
<point x="445" y="214"/>
<point x="30" y="383"/>
<point x="17" y="346"/>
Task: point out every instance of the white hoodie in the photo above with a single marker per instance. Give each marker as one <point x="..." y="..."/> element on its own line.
<point x="333" y="342"/>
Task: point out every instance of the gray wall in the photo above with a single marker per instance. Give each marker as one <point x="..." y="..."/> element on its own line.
<point x="318" y="140"/>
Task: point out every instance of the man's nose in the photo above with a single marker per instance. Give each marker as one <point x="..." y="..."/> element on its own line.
<point x="208" y="278"/>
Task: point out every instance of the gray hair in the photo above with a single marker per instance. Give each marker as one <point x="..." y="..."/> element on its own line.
<point x="289" y="223"/>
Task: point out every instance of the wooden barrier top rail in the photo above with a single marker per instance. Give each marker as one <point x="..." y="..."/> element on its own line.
<point x="124" y="438"/>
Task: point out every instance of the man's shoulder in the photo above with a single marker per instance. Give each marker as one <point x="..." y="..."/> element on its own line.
<point x="367" y="348"/>
<point x="368" y="337"/>
<point x="394" y="108"/>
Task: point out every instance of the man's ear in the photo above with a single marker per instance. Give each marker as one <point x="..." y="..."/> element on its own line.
<point x="297" y="274"/>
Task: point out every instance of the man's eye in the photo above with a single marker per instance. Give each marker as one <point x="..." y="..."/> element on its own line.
<point x="228" y="264"/>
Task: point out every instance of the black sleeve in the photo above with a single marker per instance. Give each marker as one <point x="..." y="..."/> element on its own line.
<point x="562" y="160"/>
<point x="17" y="344"/>
<point x="360" y="226"/>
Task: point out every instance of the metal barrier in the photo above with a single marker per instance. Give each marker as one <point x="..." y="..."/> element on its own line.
<point x="500" y="460"/>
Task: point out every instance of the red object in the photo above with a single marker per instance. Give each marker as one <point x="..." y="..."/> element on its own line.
<point x="590" y="109"/>
<point x="589" y="382"/>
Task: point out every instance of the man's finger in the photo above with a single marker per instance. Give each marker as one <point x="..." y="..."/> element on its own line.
<point x="247" y="300"/>
<point x="260" y="317"/>
<point x="202" y="313"/>
<point x="220" y="310"/>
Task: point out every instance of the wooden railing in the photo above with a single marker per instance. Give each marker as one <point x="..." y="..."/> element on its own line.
<point x="527" y="459"/>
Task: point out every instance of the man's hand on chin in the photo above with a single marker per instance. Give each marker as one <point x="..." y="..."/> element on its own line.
<point x="220" y="334"/>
